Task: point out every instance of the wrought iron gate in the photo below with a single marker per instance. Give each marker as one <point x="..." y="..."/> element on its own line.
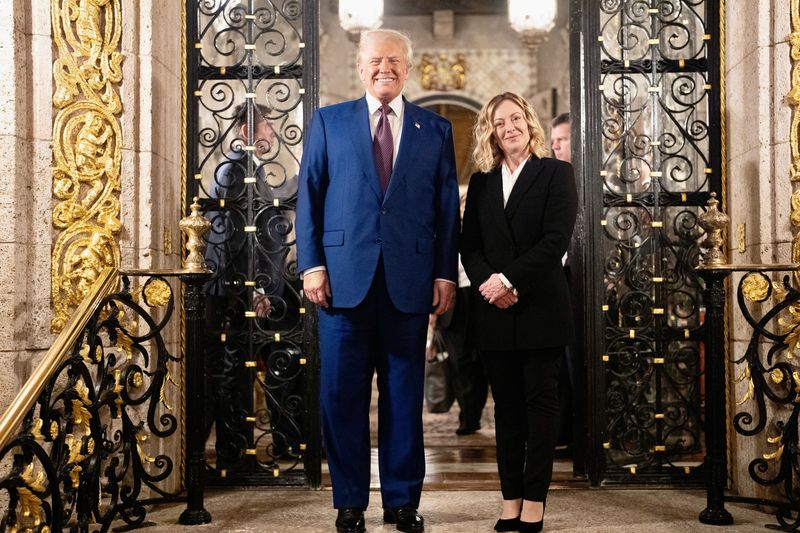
<point x="648" y="125"/>
<point x="251" y="88"/>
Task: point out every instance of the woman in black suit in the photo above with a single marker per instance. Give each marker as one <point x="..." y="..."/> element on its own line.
<point x="518" y="222"/>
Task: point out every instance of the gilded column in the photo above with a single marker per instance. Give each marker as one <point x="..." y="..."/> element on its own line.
<point x="87" y="147"/>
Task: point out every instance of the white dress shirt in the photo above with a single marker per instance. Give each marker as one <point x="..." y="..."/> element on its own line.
<point x="509" y="179"/>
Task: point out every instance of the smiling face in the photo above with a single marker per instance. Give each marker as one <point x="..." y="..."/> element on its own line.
<point x="511" y="129"/>
<point x="383" y="68"/>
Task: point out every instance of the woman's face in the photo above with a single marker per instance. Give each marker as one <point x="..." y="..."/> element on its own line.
<point x="510" y="128"/>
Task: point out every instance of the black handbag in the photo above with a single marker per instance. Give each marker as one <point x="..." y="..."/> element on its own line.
<point x="439" y="394"/>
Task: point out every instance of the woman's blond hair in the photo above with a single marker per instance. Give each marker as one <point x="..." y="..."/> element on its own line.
<point x="487" y="153"/>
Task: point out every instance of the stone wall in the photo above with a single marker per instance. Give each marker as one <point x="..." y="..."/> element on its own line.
<point x="151" y="168"/>
<point x="757" y="74"/>
<point x="25" y="197"/>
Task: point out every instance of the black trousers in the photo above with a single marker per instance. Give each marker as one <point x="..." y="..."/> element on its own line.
<point x="525" y="391"/>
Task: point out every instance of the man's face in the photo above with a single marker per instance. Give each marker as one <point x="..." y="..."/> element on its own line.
<point x="559" y="142"/>
<point x="383" y="68"/>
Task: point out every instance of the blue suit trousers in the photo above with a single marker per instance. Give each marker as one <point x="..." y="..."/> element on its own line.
<point x="355" y="343"/>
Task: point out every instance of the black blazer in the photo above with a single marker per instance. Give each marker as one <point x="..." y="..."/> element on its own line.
<point x="525" y="242"/>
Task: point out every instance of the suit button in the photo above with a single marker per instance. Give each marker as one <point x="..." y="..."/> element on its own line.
<point x="378" y="241"/>
<point x="384" y="211"/>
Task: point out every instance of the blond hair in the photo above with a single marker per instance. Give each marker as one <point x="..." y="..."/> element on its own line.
<point x="388" y="35"/>
<point x="487" y="153"/>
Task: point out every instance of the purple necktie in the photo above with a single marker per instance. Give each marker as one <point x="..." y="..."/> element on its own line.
<point x="383" y="147"/>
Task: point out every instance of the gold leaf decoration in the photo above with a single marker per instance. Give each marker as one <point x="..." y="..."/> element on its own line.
<point x="755" y="287"/>
<point x="36" y="430"/>
<point x="777" y="375"/>
<point x="776" y="455"/>
<point x="157" y="293"/>
<point x="751" y="389"/>
<point x="87" y="147"/>
<point x="30" y="513"/>
<point x="442" y="73"/>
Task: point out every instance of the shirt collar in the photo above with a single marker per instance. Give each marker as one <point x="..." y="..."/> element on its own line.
<point x="507" y="171"/>
<point x="373" y="104"/>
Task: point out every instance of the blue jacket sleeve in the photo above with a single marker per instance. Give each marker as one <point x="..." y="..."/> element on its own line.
<point x="311" y="189"/>
<point x="447" y="220"/>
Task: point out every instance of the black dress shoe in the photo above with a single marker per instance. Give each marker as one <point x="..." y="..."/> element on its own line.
<point x="507" y="524"/>
<point x="406" y="518"/>
<point x="461" y="431"/>
<point x="350" y="520"/>
<point x="531" y="527"/>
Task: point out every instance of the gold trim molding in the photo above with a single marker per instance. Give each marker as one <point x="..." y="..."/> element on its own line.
<point x="87" y="148"/>
<point x="793" y="99"/>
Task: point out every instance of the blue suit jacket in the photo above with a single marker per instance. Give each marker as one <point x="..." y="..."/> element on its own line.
<point x="345" y="223"/>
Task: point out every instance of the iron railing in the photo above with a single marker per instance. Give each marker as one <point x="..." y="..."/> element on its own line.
<point x="91" y="437"/>
<point x="770" y="406"/>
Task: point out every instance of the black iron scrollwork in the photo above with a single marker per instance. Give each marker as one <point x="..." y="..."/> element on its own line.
<point x="770" y="409"/>
<point x="250" y="95"/>
<point x="94" y="447"/>
<point x="654" y="105"/>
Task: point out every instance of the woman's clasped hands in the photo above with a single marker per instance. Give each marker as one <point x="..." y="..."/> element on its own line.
<point x="496" y="293"/>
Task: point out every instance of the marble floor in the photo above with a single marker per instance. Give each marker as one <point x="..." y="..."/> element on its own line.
<point x="450" y="511"/>
<point x="461" y="495"/>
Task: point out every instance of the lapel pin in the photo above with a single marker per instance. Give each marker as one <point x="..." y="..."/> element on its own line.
<point x="416" y="124"/>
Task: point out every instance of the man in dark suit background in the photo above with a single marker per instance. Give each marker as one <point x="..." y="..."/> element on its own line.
<point x="229" y="254"/>
<point x="377" y="223"/>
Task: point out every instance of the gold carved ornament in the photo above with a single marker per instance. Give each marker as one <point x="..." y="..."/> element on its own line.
<point x="793" y="99"/>
<point x="87" y="148"/>
<point x="443" y="74"/>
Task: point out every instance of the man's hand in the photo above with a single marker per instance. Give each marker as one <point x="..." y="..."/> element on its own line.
<point x="316" y="287"/>
<point x="496" y="293"/>
<point x="444" y="295"/>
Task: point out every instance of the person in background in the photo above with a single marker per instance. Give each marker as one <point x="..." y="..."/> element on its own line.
<point x="560" y="138"/>
<point x="465" y="370"/>
<point x="560" y="144"/>
<point x="518" y="221"/>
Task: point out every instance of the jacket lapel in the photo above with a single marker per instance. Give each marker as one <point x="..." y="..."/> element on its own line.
<point x="412" y="131"/>
<point x="524" y="182"/>
<point x="362" y="141"/>
<point x="494" y="193"/>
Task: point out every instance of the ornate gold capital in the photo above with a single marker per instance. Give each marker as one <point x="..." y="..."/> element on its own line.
<point x="442" y="73"/>
<point x="87" y="152"/>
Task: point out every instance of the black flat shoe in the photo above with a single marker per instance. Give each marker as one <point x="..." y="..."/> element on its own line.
<point x="350" y="520"/>
<point x="507" y="524"/>
<point x="407" y="519"/>
<point x="531" y="527"/>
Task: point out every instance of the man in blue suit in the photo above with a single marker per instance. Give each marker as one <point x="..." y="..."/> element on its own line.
<point x="377" y="223"/>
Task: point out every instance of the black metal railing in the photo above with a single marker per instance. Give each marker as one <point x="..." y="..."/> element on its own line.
<point x="771" y="399"/>
<point x="91" y="438"/>
<point x="768" y="300"/>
